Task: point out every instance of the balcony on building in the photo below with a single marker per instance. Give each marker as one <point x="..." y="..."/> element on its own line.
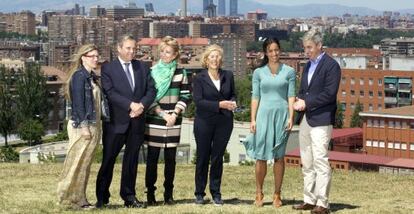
<point x="390" y="100"/>
<point x="390" y="84"/>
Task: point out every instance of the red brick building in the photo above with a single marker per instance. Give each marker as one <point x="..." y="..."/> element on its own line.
<point x="389" y="132"/>
<point x="353" y="161"/>
<point x="347" y="140"/>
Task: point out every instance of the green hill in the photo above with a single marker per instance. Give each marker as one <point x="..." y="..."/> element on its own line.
<point x="28" y="188"/>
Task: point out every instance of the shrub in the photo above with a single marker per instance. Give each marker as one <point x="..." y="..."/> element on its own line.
<point x="8" y="154"/>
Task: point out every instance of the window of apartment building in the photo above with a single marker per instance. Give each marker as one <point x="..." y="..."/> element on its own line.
<point x="343" y="80"/>
<point x="397" y="124"/>
<point x="374" y="143"/>
<point x="379" y="107"/>
<point x="368" y="143"/>
<point x="352" y="105"/>
<point x="370" y="108"/>
<point x="390" y="145"/>
<point x="352" y="93"/>
<point x="390" y="124"/>
<point x="397" y="145"/>
<point x="412" y="125"/>
<point x="343" y="93"/>
<point x="352" y="81"/>
<point x="379" y="81"/>
<point x="404" y="125"/>
<point x="371" y="94"/>
<point x="403" y="146"/>
<point x="375" y="123"/>
<point x="382" y="144"/>
<point x="361" y="81"/>
<point x="379" y="94"/>
<point x="361" y="93"/>
<point x="369" y="123"/>
<point x="370" y="81"/>
<point x="412" y="146"/>
<point x="343" y="106"/>
<point x="382" y="123"/>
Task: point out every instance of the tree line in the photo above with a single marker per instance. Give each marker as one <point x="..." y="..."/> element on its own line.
<point x="24" y="103"/>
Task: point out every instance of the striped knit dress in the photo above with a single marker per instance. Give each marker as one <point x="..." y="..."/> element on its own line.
<point x="157" y="134"/>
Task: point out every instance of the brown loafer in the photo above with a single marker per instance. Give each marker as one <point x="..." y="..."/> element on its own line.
<point x="304" y="206"/>
<point x="320" y="210"/>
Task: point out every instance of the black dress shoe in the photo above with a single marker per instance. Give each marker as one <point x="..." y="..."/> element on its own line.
<point x="101" y="204"/>
<point x="151" y="199"/>
<point x="135" y="204"/>
<point x="169" y="201"/>
<point x="199" y="200"/>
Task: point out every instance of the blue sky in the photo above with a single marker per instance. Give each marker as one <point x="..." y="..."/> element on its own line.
<point x="373" y="4"/>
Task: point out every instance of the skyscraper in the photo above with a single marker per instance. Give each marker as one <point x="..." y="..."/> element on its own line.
<point x="184" y="7"/>
<point x="233" y="8"/>
<point x="206" y="3"/>
<point x="149" y="7"/>
<point x="222" y="7"/>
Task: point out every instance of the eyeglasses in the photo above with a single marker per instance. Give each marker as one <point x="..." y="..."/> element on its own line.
<point x="92" y="56"/>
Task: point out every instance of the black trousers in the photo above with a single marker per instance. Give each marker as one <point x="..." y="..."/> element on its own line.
<point x="211" y="139"/>
<point x="112" y="145"/>
<point x="169" y="169"/>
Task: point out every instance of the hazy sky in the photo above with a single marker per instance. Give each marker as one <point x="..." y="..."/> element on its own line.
<point x="373" y="4"/>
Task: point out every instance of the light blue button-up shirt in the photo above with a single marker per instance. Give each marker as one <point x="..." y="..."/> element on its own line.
<point x="314" y="64"/>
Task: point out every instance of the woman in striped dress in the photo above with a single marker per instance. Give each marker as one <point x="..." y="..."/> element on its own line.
<point x="163" y="125"/>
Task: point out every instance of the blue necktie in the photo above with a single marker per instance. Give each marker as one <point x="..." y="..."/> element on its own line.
<point x="128" y="74"/>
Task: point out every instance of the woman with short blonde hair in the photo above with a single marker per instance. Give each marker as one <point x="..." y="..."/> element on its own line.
<point x="214" y="95"/>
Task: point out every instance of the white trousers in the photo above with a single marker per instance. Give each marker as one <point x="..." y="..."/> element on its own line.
<point x="314" y="142"/>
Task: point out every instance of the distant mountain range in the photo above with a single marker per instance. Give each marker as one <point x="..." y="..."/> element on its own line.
<point x="195" y="6"/>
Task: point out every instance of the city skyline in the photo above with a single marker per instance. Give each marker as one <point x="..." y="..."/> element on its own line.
<point x="283" y="7"/>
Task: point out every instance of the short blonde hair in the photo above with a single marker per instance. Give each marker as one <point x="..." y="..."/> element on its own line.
<point x="207" y="53"/>
<point x="172" y="42"/>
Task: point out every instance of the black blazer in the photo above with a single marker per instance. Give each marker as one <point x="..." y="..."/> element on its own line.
<point x="206" y="96"/>
<point x="320" y="95"/>
<point x="120" y="95"/>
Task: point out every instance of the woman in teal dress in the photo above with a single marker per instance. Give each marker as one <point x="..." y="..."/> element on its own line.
<point x="271" y="117"/>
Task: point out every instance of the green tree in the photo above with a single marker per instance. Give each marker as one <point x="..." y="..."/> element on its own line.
<point x="356" y="119"/>
<point x="31" y="130"/>
<point x="8" y="110"/>
<point x="339" y="116"/>
<point x="244" y="93"/>
<point x="32" y="96"/>
<point x="226" y="157"/>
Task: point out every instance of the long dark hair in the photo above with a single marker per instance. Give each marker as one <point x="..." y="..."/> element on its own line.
<point x="265" y="45"/>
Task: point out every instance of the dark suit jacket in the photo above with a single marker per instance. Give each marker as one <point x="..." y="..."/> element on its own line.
<point x="120" y="95"/>
<point x="320" y="95"/>
<point x="206" y="96"/>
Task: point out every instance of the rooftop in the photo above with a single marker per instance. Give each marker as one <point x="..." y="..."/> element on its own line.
<point x="406" y="112"/>
<point x="363" y="159"/>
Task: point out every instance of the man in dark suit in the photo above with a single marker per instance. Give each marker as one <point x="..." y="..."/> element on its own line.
<point x="317" y="105"/>
<point x="130" y="90"/>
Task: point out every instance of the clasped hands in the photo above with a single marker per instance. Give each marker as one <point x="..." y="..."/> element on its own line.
<point x="299" y="105"/>
<point x="228" y="104"/>
<point x="136" y="109"/>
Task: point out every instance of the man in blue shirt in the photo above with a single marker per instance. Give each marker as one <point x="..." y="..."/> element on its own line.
<point x="316" y="103"/>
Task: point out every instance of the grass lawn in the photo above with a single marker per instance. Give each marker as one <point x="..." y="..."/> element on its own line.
<point x="26" y="188"/>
